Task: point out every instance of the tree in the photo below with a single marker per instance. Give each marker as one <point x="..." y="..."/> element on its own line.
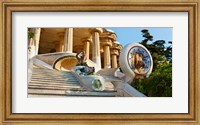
<point x="168" y="52"/>
<point x="157" y="49"/>
<point x="147" y="36"/>
<point x="159" y="82"/>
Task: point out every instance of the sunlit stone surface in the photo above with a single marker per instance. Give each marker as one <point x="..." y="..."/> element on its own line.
<point x="52" y="60"/>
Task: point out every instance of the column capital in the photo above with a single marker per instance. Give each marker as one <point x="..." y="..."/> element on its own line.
<point x="99" y="30"/>
<point x="116" y="45"/>
<point x="109" y="35"/>
<point x="114" y="52"/>
<point x="87" y="40"/>
<point x="106" y="43"/>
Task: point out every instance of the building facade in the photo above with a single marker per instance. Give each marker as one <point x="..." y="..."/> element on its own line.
<point x="99" y="44"/>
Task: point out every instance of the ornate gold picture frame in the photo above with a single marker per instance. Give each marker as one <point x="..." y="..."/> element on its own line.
<point x="8" y="7"/>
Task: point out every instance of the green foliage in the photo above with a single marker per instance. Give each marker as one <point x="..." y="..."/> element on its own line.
<point x="147" y="36"/>
<point x="157" y="49"/>
<point x="159" y="84"/>
<point x="168" y="52"/>
<point x="82" y="64"/>
<point x="30" y="34"/>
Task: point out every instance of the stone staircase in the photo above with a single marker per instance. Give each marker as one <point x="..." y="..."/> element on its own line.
<point x="48" y="82"/>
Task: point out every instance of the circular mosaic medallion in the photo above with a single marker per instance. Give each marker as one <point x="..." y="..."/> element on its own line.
<point x="135" y="61"/>
<point x="139" y="60"/>
<point x="96" y="84"/>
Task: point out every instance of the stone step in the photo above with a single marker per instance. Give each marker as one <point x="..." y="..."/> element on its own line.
<point x="69" y="82"/>
<point x="91" y="94"/>
<point x="56" y="88"/>
<point x="54" y="79"/>
<point x="49" y="80"/>
<point x="61" y="87"/>
<point x="48" y="70"/>
<point x="62" y="84"/>
<point x="59" y="77"/>
<point x="52" y="74"/>
<point x="65" y="82"/>
<point x="52" y="87"/>
<point x="46" y="82"/>
<point x="53" y="84"/>
<point x="45" y="76"/>
<point x="39" y="92"/>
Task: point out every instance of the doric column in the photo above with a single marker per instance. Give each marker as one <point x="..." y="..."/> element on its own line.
<point x="36" y="38"/>
<point x="60" y="45"/>
<point x="33" y="41"/>
<point x="68" y="40"/>
<point x="114" y="54"/>
<point x="96" y="57"/>
<point x="107" y="43"/>
<point x="86" y="43"/>
<point x="116" y="47"/>
<point x="107" y="39"/>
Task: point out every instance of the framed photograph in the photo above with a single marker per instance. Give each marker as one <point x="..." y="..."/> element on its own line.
<point x="107" y="62"/>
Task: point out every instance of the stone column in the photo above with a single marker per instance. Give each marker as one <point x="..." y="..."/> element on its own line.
<point x="86" y="43"/>
<point x="37" y="39"/>
<point x="115" y="50"/>
<point x="106" y="47"/>
<point x="61" y="42"/>
<point x="96" y="56"/>
<point x="114" y="54"/>
<point x="68" y="40"/>
<point x="33" y="43"/>
<point x="107" y="38"/>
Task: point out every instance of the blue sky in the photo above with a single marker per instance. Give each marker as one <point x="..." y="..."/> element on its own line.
<point x="128" y="35"/>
